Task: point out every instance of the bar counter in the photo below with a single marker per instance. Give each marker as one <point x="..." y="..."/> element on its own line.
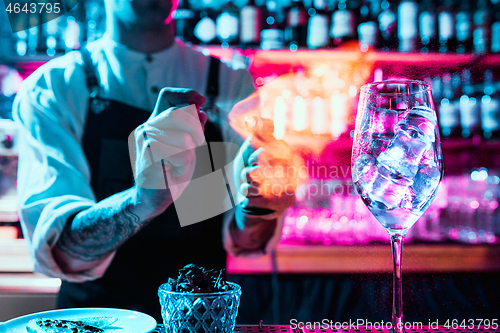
<point x="442" y="281"/>
<point x="417" y="258"/>
<point x="332" y="262"/>
<point x="303" y="259"/>
<point x="289" y="329"/>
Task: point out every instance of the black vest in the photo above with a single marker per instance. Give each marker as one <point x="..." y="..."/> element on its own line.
<point x="157" y="252"/>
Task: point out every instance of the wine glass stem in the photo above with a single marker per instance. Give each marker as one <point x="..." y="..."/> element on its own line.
<point x="397" y="295"/>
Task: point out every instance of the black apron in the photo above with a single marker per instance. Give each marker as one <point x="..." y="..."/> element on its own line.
<point x="156" y="252"/>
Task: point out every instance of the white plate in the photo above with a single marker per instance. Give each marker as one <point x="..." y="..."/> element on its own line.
<point x="128" y="321"/>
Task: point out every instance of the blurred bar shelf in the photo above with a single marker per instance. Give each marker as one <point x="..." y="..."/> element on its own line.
<point x="465" y="154"/>
<point x="265" y="62"/>
<point x="28" y="283"/>
<point x="300" y="259"/>
<point x="263" y="58"/>
<point x="283" y="56"/>
<point x="16" y="271"/>
<point x="14" y="256"/>
<point x="418" y="258"/>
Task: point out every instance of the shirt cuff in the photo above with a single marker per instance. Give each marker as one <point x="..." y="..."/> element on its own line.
<point x="48" y="226"/>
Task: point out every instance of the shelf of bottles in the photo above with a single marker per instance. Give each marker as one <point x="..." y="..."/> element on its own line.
<point x="424" y="26"/>
<point x="308" y="59"/>
<point x="446" y="26"/>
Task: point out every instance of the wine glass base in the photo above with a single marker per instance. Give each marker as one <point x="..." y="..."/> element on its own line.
<point x="398" y="325"/>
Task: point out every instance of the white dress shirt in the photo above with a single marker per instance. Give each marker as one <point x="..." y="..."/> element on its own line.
<point x="51" y="108"/>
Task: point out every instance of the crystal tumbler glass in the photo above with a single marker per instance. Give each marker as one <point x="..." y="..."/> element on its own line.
<point x="199" y="312"/>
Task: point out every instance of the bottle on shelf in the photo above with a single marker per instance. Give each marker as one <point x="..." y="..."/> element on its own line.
<point x="32" y="33"/>
<point x="490" y="107"/>
<point x="481" y="32"/>
<point x="272" y="35"/>
<point x="437" y="88"/>
<point x="296" y="25"/>
<point x="205" y="31"/>
<point x="300" y="111"/>
<point x="449" y="119"/>
<point x="375" y="8"/>
<point x="407" y="26"/>
<point x="387" y="23"/>
<point x="227" y="25"/>
<point x="463" y="28"/>
<point x="446" y="27"/>
<point x="185" y="21"/>
<point x="469" y="107"/>
<point x="6" y="40"/>
<point x="41" y="44"/>
<point x="368" y="27"/>
<point x="21" y="36"/>
<point x="343" y="27"/>
<point x="72" y="35"/>
<point x="495" y="27"/>
<point x="94" y="17"/>
<point x="54" y="42"/>
<point x="250" y="25"/>
<point x="319" y="117"/>
<point x="427" y="23"/>
<point x="318" y="25"/>
<point x="495" y="34"/>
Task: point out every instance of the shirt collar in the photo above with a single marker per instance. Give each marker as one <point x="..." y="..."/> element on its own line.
<point x="124" y="53"/>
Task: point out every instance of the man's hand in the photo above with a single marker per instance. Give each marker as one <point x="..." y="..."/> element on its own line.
<point x="263" y="179"/>
<point x="175" y="97"/>
<point x="265" y="189"/>
<point x="162" y="149"/>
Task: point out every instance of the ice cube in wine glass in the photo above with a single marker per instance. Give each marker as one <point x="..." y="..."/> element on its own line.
<point x="364" y="169"/>
<point x="383" y="123"/>
<point x="388" y="188"/>
<point x="381" y="187"/>
<point x="381" y="131"/>
<point x="414" y="135"/>
<point x="424" y="186"/>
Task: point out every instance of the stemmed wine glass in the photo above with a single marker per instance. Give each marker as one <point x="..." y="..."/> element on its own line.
<point x="397" y="162"/>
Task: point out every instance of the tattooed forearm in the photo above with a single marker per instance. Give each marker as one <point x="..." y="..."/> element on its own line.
<point x="96" y="232"/>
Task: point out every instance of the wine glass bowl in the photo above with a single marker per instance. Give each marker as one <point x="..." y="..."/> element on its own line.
<point x="396" y="161"/>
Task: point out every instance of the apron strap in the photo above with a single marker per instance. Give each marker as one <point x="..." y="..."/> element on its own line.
<point x="213" y="81"/>
<point x="212" y="91"/>
<point x="96" y="104"/>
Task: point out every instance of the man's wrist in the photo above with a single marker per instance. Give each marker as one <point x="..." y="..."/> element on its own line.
<point x="251" y="232"/>
<point x="150" y="203"/>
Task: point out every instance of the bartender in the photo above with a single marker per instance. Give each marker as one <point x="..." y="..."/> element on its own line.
<point x="86" y="221"/>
